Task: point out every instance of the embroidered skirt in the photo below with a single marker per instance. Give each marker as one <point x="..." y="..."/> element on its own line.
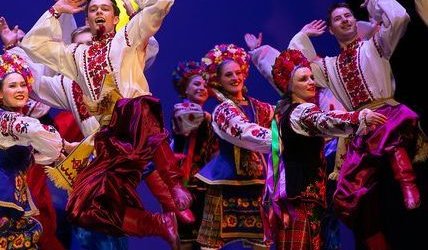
<point x="231" y="213"/>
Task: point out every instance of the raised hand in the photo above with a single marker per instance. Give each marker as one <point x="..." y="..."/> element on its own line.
<point x="9" y="37"/>
<point x="252" y="41"/>
<point x="314" y="28"/>
<point x="128" y="7"/>
<point x="69" y="6"/>
<point x="364" y="4"/>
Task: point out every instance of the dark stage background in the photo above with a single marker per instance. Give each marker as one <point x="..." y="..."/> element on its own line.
<point x="195" y="26"/>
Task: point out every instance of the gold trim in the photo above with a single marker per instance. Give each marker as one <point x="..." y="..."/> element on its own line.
<point x="379" y="103"/>
<point x="14" y="206"/>
<point x="242" y="235"/>
<point x="229" y="182"/>
<point x="64" y="173"/>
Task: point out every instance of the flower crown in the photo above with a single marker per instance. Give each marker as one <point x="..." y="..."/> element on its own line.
<point x="11" y="63"/>
<point x="182" y="74"/>
<point x="218" y="55"/>
<point x="284" y="67"/>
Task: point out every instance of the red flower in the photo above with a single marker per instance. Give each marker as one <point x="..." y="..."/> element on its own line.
<point x="284" y="66"/>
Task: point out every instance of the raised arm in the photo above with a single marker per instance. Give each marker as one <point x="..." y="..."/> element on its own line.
<point x="44" y="42"/>
<point x="393" y="20"/>
<point x="301" y="41"/>
<point x="144" y="24"/>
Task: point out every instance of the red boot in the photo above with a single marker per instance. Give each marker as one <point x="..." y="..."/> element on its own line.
<point x="160" y="190"/>
<point x="377" y="242"/>
<point x="167" y="164"/>
<point x="404" y="174"/>
<point x="137" y="222"/>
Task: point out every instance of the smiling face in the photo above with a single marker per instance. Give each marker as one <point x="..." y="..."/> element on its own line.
<point x="101" y="13"/>
<point x="196" y="90"/>
<point x="232" y="78"/>
<point x="343" y="25"/>
<point x="14" y="91"/>
<point x="302" y="86"/>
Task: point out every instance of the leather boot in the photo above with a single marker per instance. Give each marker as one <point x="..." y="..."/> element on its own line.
<point x="377" y="242"/>
<point x="167" y="164"/>
<point x="160" y="190"/>
<point x="137" y="222"/>
<point x="404" y="174"/>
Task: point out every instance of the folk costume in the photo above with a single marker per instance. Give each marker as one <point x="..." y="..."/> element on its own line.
<point x="235" y="177"/>
<point x="109" y="72"/>
<point x="24" y="141"/>
<point x="195" y="138"/>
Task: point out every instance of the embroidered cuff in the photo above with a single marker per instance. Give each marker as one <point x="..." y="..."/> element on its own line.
<point x="8" y="47"/>
<point x="54" y="12"/>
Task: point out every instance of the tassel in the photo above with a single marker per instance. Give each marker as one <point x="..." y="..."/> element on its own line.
<point x="59" y="180"/>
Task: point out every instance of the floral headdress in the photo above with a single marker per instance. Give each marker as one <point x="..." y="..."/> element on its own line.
<point x="11" y="63"/>
<point x="218" y="55"/>
<point x="182" y="74"/>
<point x="285" y="65"/>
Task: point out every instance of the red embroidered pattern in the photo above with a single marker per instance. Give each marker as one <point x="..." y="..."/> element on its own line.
<point x="224" y="114"/>
<point x="264" y="112"/>
<point x="316" y="190"/>
<point x="21" y="187"/>
<point x="78" y="101"/>
<point x="347" y="65"/>
<point x="313" y="119"/>
<point x="9" y="127"/>
<point x="128" y="43"/>
<point x="376" y="44"/>
<point x="96" y="64"/>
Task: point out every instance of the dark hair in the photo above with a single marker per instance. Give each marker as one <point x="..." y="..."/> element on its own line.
<point x="79" y="31"/>
<point x="336" y="6"/>
<point x="115" y="8"/>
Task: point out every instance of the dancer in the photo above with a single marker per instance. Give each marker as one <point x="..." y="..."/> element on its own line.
<point x="360" y="76"/>
<point x="109" y="71"/>
<point x="24" y="140"/>
<point x="235" y="177"/>
<point x="193" y="136"/>
<point x="297" y="187"/>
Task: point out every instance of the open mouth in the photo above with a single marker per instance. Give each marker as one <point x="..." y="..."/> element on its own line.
<point x="100" y="20"/>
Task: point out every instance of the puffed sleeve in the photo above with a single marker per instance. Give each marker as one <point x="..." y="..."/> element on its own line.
<point x="187" y="117"/>
<point x="302" y="42"/>
<point x="146" y="23"/>
<point x="393" y="19"/>
<point x="263" y="58"/>
<point x="44" y="44"/>
<point x="230" y="124"/>
<point x="133" y="46"/>
<point x="17" y="129"/>
<point x="309" y="120"/>
<point x="52" y="91"/>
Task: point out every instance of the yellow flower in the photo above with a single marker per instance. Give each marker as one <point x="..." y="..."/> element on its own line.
<point x="19" y="241"/>
<point x="3" y="243"/>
